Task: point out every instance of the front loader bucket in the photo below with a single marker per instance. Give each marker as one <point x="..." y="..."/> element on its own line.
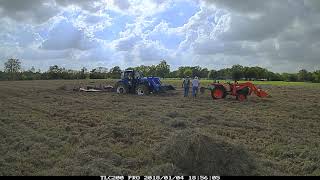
<point x="261" y="93"/>
<point x="167" y="88"/>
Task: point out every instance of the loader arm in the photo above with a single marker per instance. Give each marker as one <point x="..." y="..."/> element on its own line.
<point x="253" y="88"/>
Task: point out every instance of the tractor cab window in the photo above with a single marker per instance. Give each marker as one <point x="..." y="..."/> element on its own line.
<point x="138" y="75"/>
<point x="127" y="75"/>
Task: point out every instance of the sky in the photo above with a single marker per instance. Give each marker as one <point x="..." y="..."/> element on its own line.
<point x="280" y="35"/>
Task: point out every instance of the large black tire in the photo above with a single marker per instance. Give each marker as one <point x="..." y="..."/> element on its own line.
<point x="121" y="88"/>
<point x="142" y="90"/>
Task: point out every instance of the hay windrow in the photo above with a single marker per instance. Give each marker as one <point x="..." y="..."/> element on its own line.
<point x="198" y="154"/>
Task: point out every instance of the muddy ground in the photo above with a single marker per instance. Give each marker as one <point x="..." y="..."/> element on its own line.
<point x="46" y="129"/>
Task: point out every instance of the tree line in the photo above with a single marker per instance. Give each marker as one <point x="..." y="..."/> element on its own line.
<point x="13" y="71"/>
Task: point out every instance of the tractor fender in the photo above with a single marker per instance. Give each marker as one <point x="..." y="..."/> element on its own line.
<point x="215" y="86"/>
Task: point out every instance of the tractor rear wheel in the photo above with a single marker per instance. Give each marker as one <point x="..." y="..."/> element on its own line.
<point x="218" y="93"/>
<point x="122" y="88"/>
<point x="142" y="90"/>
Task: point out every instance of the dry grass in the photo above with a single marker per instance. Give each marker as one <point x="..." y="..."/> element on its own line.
<point x="47" y="130"/>
<point x="196" y="153"/>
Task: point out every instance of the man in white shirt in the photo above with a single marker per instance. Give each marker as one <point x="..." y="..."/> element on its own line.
<point x="195" y="86"/>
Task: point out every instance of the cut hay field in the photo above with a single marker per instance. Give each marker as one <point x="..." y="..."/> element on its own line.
<point x="47" y="129"/>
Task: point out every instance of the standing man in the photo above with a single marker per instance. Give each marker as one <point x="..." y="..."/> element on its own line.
<point x="186" y="86"/>
<point x="195" y="86"/>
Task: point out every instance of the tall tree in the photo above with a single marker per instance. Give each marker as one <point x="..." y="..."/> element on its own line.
<point x="316" y="76"/>
<point x="163" y="69"/>
<point x="204" y="73"/>
<point x="187" y="72"/>
<point x="55" y="72"/>
<point x="115" y="72"/>
<point x="304" y="75"/>
<point x="181" y="71"/>
<point x="173" y="74"/>
<point x="196" y="71"/>
<point x="152" y="71"/>
<point x="237" y="72"/>
<point x="224" y="74"/>
<point x="213" y="74"/>
<point x="12" y="67"/>
<point x="250" y="73"/>
<point x="3" y="75"/>
<point x="260" y="72"/>
<point x="143" y="69"/>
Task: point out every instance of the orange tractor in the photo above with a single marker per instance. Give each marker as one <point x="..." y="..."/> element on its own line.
<point x="240" y="90"/>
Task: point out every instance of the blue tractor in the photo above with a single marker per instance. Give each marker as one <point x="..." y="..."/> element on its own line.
<point x="133" y="82"/>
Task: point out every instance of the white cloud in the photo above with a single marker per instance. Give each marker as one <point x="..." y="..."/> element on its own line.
<point x="31" y="11"/>
<point x="122" y="4"/>
<point x="126" y="43"/>
<point x="88" y="5"/>
<point x="276" y="32"/>
<point x="150" y="52"/>
<point x="65" y="35"/>
<point x="269" y="33"/>
<point x="137" y="8"/>
<point x="242" y="6"/>
<point x="92" y="22"/>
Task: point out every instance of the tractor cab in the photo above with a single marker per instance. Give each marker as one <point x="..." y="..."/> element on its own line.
<point x="131" y="74"/>
<point x="127" y="74"/>
<point x="130" y="78"/>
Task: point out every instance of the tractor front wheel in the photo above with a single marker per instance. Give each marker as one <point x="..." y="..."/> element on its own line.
<point x="142" y="90"/>
<point x="243" y="94"/>
<point x="241" y="97"/>
<point x="218" y="93"/>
